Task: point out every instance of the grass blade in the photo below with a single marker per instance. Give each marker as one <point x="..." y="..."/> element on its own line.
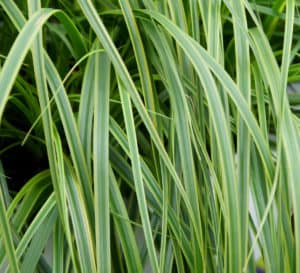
<point x="139" y="184"/>
<point x="101" y="87"/>
<point x="7" y="237"/>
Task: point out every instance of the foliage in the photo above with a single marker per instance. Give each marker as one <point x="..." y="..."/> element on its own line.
<point x="134" y="133"/>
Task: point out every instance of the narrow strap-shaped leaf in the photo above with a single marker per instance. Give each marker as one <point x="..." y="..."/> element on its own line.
<point x="243" y="136"/>
<point x="38" y="243"/>
<point x="6" y="237"/>
<point x="71" y="132"/>
<point x="140" y="53"/>
<point x="34" y="226"/>
<point x="182" y="121"/>
<point x="86" y="106"/>
<point x="137" y="174"/>
<point x="124" y="228"/>
<point x="82" y="231"/>
<point x="4" y="187"/>
<point x="99" y="28"/>
<point x="101" y="89"/>
<point x="18" y="52"/>
<point x="195" y="53"/>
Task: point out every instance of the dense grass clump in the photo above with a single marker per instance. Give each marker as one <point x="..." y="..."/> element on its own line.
<point x="134" y="134"/>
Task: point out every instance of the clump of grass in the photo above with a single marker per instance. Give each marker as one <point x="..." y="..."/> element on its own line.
<point x="152" y="124"/>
